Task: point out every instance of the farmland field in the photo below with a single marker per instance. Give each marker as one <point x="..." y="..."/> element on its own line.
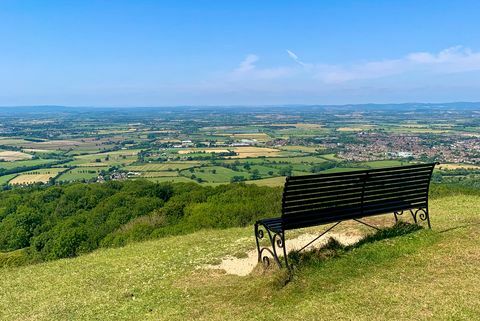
<point x="10" y="156"/>
<point x="6" y="178"/>
<point x="80" y="173"/>
<point x="25" y="163"/>
<point x="37" y="176"/>
<point x="214" y="174"/>
<point x="151" y="167"/>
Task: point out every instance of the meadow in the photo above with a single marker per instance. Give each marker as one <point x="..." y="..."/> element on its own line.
<point x="424" y="275"/>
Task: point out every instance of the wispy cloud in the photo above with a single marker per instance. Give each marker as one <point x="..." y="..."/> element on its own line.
<point x="295" y="58"/>
<point x="451" y="60"/>
<point x="248" y="69"/>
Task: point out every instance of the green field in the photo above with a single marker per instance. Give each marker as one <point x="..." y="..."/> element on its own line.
<point x="80" y="173"/>
<point x="120" y="157"/>
<point x="25" y="163"/>
<point x="214" y="174"/>
<point x="271" y="182"/>
<point x="156" y="167"/>
<point x="5" y="178"/>
<point x="171" y="179"/>
<point x="427" y="275"/>
<point x="383" y="163"/>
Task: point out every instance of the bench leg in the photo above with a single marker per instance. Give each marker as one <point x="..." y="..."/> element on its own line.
<point x="277" y="241"/>
<point x="422" y="214"/>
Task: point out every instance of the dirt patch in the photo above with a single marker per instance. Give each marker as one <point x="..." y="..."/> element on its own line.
<point x="243" y="266"/>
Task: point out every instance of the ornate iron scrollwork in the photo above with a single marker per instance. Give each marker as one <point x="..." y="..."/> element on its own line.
<point x="417" y="214"/>
<point x="277" y="241"/>
<point x="397" y="214"/>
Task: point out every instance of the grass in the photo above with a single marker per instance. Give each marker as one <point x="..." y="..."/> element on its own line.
<point x="25" y="163"/>
<point x="120" y="157"/>
<point x="6" y="178"/>
<point x="272" y="181"/>
<point x="425" y="275"/>
<point x="214" y="174"/>
<point x="383" y="163"/>
<point x="80" y="173"/>
<point x="156" y="167"/>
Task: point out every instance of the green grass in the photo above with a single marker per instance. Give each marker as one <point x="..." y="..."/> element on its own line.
<point x="425" y="275"/>
<point x="33" y="162"/>
<point x="80" y="173"/>
<point x="331" y="157"/>
<point x="383" y="163"/>
<point x="171" y="179"/>
<point x="4" y="179"/>
<point x="120" y="157"/>
<point x="340" y="169"/>
<point x="155" y="167"/>
<point x="221" y="175"/>
<point x="272" y="181"/>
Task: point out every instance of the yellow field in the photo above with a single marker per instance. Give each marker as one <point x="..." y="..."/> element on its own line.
<point x="271" y="182"/>
<point x="38" y="176"/>
<point x="244" y="152"/>
<point x="300" y="125"/>
<point x="355" y="129"/>
<point x="306" y="149"/>
<point x="200" y="150"/>
<point x="457" y="166"/>
<point x="10" y="156"/>
<point x="159" y="174"/>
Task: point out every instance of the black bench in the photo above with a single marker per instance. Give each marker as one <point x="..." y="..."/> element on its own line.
<point x="319" y="199"/>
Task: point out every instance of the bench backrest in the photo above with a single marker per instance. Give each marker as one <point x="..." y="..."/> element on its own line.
<point x="323" y="198"/>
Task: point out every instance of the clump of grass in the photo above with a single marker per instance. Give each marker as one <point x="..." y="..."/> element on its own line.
<point x="240" y="255"/>
<point x="334" y="249"/>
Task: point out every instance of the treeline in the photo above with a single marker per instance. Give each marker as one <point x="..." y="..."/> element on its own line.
<point x="19" y="169"/>
<point x="68" y="220"/>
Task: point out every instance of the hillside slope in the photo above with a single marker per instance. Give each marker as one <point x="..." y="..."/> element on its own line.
<point x="424" y="275"/>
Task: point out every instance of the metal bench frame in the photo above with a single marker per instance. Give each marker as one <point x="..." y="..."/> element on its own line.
<point x="313" y="200"/>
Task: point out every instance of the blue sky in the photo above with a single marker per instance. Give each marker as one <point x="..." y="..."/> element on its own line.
<point x="157" y="53"/>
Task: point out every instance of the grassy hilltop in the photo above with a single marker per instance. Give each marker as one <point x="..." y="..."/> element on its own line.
<point x="430" y="275"/>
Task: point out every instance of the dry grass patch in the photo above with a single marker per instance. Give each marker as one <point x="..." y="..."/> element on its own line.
<point x="457" y="166"/>
<point x="11" y="156"/>
<point x="244" y="152"/>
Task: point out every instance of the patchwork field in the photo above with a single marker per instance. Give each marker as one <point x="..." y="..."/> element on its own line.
<point x="244" y="152"/>
<point x="152" y="167"/>
<point x="120" y="157"/>
<point x="11" y="156"/>
<point x="6" y="178"/>
<point x="214" y="174"/>
<point x="37" y="176"/>
<point x="457" y="166"/>
<point x="80" y="174"/>
<point x="25" y="163"/>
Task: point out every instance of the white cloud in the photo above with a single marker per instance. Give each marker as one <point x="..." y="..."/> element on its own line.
<point x="296" y="59"/>
<point x="249" y="70"/>
<point x="450" y="60"/>
<point x="247" y="64"/>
